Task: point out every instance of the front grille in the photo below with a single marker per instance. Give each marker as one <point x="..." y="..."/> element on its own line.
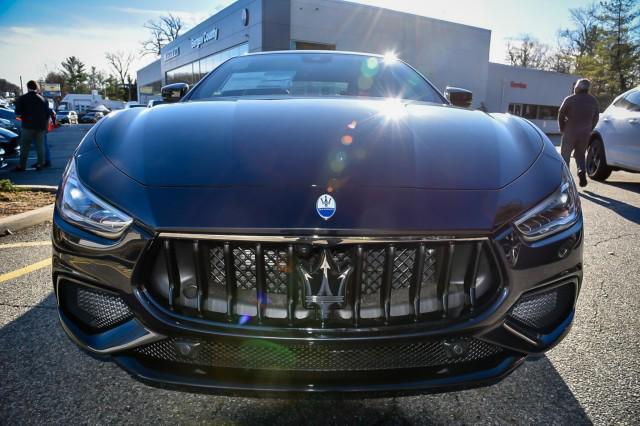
<point x="268" y="355"/>
<point x="95" y="309"/>
<point x="543" y="311"/>
<point x="337" y="284"/>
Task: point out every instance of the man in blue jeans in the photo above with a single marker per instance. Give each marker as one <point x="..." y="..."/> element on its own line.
<point x="47" y="151"/>
<point x="33" y="109"/>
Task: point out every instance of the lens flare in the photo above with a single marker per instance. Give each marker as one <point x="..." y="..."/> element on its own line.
<point x="369" y="67"/>
<point x="390" y="57"/>
<point x="392" y="109"/>
<point x="338" y="162"/>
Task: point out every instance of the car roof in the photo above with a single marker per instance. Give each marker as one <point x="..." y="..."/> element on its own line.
<point x="326" y="52"/>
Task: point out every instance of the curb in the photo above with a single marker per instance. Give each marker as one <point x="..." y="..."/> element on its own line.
<point x="42" y="188"/>
<point x="23" y="220"/>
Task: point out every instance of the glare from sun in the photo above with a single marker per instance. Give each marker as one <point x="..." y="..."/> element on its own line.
<point x="392" y="109"/>
<point x="390" y="57"/>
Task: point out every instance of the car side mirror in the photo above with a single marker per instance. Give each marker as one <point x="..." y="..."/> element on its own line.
<point x="458" y="97"/>
<point x="174" y="92"/>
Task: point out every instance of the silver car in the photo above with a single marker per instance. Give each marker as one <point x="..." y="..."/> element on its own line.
<point x="615" y="143"/>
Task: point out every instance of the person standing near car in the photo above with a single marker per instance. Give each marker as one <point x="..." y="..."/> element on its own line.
<point x="33" y="110"/>
<point x="577" y="118"/>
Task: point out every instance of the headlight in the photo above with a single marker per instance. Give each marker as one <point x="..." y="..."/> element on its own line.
<point x="79" y="206"/>
<point x="556" y="213"/>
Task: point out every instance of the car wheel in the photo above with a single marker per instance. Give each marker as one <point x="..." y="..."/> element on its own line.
<point x="597" y="168"/>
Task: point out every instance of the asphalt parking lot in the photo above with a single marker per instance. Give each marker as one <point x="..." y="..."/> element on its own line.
<point x="62" y="142"/>
<point x="593" y="376"/>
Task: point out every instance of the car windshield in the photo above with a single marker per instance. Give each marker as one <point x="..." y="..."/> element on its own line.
<point x="315" y="75"/>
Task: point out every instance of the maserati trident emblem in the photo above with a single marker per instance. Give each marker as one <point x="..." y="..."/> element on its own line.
<point x="326" y="206"/>
<point x="324" y="285"/>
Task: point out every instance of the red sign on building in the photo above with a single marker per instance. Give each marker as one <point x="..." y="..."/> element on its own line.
<point x="517" y="85"/>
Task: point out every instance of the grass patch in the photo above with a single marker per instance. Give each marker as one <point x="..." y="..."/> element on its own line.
<point x="7" y="186"/>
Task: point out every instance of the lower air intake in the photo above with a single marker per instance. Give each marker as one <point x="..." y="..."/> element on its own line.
<point x="263" y="355"/>
<point x="96" y="309"/>
<point x="543" y="311"/>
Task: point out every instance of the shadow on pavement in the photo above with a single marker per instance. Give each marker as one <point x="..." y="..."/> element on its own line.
<point x="625" y="210"/>
<point x="627" y="186"/>
<point x="44" y="376"/>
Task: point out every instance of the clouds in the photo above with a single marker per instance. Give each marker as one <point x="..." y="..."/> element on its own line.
<point x="190" y="19"/>
<point x="33" y="51"/>
<point x="32" y="47"/>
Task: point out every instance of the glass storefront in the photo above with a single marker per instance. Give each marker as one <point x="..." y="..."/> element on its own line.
<point x="193" y="72"/>
<point x="534" y="112"/>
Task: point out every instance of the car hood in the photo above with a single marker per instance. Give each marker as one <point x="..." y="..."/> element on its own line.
<point x="7" y="133"/>
<point x="324" y="143"/>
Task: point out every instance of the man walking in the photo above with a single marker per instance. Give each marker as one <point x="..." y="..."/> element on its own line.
<point x="33" y="110"/>
<point x="577" y="118"/>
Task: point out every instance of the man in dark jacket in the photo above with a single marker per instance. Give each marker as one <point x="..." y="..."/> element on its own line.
<point x="577" y="118"/>
<point x="33" y="110"/>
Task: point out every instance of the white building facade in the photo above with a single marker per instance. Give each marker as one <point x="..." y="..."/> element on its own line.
<point x="81" y="102"/>
<point x="448" y="54"/>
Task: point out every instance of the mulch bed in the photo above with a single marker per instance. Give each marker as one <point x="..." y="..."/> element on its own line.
<point x="22" y="201"/>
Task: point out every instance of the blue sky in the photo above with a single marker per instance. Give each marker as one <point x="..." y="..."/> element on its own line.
<point x="38" y="35"/>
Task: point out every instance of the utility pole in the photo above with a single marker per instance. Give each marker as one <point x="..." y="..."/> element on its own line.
<point x="21" y="89"/>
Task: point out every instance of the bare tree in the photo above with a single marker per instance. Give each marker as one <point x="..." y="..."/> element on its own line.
<point x="582" y="38"/>
<point x="163" y="31"/>
<point x="120" y="63"/>
<point x="526" y="51"/>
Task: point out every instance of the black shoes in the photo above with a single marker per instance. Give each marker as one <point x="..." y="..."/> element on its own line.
<point x="583" y="179"/>
<point x="18" y="169"/>
<point x="46" y="164"/>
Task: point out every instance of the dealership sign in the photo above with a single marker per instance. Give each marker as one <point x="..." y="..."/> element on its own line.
<point x="51" y="90"/>
<point x="172" y="53"/>
<point x="205" y="37"/>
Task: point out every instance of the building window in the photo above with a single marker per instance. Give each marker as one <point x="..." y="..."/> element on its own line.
<point x="151" y="89"/>
<point x="534" y="112"/>
<point x="193" y="72"/>
<point x="547" y="112"/>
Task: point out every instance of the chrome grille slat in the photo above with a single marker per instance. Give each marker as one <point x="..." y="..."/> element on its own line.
<point x="390" y="283"/>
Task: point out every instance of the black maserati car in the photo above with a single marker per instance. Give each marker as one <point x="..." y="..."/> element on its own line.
<point x="316" y="222"/>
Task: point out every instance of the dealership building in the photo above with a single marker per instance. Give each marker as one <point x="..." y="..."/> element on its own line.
<point x="448" y="54"/>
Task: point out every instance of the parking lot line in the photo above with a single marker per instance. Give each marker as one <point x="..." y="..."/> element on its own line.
<point x="25" y="244"/>
<point x="27" y="269"/>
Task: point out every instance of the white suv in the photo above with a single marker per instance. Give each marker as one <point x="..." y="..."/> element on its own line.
<point x="615" y="142"/>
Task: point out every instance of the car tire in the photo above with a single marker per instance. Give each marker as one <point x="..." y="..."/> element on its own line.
<point x="597" y="167"/>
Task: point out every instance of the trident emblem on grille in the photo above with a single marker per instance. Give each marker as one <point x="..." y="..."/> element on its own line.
<point x="325" y="285"/>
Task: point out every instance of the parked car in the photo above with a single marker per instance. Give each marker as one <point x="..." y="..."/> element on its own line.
<point x="316" y="222"/>
<point x="9" y="142"/>
<point x="91" y="117"/>
<point x="67" y="117"/>
<point x="129" y="105"/>
<point x="9" y="114"/>
<point x="8" y="124"/>
<point x="154" y="102"/>
<point x="615" y="142"/>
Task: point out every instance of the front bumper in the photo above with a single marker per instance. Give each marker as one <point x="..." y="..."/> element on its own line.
<point x="165" y="350"/>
